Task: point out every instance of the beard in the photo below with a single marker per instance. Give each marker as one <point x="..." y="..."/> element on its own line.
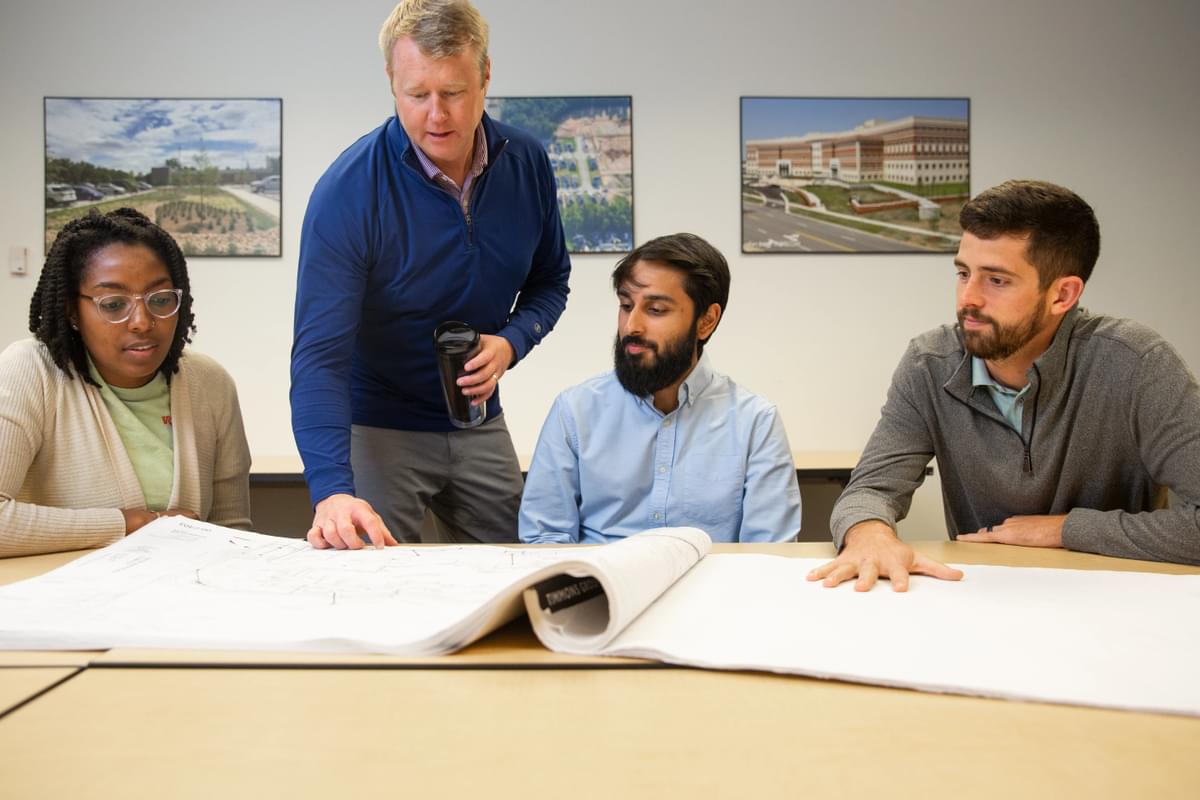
<point x="670" y="363"/>
<point x="1004" y="340"/>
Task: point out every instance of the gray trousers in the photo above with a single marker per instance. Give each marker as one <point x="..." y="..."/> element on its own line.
<point x="463" y="486"/>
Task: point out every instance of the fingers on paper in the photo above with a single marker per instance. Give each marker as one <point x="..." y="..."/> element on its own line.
<point x="347" y="532"/>
<point x="316" y="538"/>
<point x="344" y="522"/>
<point x="924" y="565"/>
<point x="868" y="571"/>
<point x="823" y="571"/>
<point x="868" y="574"/>
<point x="820" y="572"/>
<point x="837" y="572"/>
<point x="376" y="531"/>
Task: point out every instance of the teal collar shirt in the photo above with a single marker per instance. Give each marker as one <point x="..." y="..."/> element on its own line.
<point x="1009" y="402"/>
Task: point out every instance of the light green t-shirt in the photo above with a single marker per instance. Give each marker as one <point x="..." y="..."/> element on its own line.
<point x="143" y="420"/>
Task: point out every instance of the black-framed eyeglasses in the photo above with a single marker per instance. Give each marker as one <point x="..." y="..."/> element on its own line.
<point x="117" y="308"/>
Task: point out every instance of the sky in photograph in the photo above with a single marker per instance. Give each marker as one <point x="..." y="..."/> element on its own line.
<point x="135" y="135"/>
<point x="772" y="117"/>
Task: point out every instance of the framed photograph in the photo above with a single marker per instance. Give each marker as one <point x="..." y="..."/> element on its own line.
<point x="854" y="174"/>
<point x="590" y="144"/>
<point x="206" y="170"/>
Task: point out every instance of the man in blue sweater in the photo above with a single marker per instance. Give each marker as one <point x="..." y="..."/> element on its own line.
<point x="439" y="214"/>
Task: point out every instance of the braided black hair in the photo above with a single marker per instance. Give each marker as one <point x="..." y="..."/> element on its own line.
<point x="51" y="309"/>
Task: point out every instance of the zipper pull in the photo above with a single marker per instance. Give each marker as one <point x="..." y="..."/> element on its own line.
<point x="1028" y="466"/>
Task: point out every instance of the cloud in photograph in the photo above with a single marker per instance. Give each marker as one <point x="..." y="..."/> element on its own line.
<point x="134" y="135"/>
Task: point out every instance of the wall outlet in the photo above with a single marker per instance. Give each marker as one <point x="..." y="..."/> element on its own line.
<point x="18" y="260"/>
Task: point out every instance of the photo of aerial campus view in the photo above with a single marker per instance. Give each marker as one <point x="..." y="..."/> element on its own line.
<point x="853" y="175"/>
<point x="207" y="171"/>
<point x="589" y="141"/>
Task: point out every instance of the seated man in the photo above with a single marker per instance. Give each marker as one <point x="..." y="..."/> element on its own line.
<point x="1051" y="426"/>
<point x="662" y="439"/>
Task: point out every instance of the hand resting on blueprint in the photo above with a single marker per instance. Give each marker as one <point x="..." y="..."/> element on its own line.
<point x="1042" y="530"/>
<point x="872" y="551"/>
<point x="340" y="520"/>
<point x="136" y="518"/>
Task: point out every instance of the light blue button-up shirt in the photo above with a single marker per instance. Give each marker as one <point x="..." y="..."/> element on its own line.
<point x="609" y="465"/>
<point x="1009" y="402"/>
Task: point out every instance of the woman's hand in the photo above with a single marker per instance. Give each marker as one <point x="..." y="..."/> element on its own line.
<point x="135" y="518"/>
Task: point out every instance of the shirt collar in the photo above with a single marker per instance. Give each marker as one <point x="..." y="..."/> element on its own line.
<point x="478" y="161"/>
<point x="690" y="390"/>
<point x="696" y="382"/>
<point x="981" y="377"/>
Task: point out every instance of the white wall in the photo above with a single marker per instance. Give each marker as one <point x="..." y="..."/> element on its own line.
<point x="1099" y="96"/>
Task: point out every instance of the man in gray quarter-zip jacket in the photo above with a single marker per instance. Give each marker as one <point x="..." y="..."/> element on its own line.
<point x="1051" y="426"/>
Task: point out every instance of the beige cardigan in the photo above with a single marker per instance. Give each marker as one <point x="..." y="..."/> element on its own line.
<point x="64" y="472"/>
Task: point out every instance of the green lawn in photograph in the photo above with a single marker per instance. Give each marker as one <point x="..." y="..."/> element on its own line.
<point x="184" y="212"/>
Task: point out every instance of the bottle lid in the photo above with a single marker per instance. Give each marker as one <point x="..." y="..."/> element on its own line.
<point x="454" y="337"/>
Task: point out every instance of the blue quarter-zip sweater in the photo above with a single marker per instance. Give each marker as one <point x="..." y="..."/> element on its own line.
<point x="385" y="256"/>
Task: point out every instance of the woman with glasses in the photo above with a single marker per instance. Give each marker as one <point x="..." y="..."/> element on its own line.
<point x="106" y="423"/>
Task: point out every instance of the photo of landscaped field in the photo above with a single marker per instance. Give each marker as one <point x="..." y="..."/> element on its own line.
<point x="207" y="171"/>
<point x="589" y="141"/>
<point x="858" y="175"/>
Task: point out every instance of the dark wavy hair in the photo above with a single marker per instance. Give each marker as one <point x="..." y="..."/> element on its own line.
<point x="705" y="271"/>
<point x="50" y="310"/>
<point x="1063" y="234"/>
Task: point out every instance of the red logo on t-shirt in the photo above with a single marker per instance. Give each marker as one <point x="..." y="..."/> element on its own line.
<point x="167" y="419"/>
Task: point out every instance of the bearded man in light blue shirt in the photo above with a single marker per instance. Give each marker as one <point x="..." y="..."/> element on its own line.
<point x="662" y="439"/>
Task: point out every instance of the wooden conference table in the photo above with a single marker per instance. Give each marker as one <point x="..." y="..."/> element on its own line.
<point x="506" y="718"/>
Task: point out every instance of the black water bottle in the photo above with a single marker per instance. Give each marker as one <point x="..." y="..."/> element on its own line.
<point x="456" y="343"/>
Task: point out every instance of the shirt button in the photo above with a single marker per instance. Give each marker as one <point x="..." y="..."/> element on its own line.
<point x="537" y="327"/>
<point x="657" y="516"/>
<point x="662" y="470"/>
<point x="666" y="423"/>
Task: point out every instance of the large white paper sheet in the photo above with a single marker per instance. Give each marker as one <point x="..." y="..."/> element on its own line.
<point x="1112" y="639"/>
<point x="178" y="583"/>
<point x="186" y="584"/>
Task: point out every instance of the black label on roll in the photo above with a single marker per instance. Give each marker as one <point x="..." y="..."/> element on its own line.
<point x="564" y="591"/>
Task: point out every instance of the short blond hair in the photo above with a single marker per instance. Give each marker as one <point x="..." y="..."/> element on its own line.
<point x="441" y="28"/>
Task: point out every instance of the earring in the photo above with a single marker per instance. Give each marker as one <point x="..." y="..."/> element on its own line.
<point x="74" y="327"/>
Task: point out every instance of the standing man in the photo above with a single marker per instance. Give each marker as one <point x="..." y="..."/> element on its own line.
<point x="438" y="214"/>
<point x="1051" y="426"/>
<point x="663" y="439"/>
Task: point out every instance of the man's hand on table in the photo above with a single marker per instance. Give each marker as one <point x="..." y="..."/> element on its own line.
<point x="340" y="520"/>
<point x="1041" y="530"/>
<point x="872" y="550"/>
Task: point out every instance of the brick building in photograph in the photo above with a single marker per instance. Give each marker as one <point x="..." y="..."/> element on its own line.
<point x="917" y="151"/>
